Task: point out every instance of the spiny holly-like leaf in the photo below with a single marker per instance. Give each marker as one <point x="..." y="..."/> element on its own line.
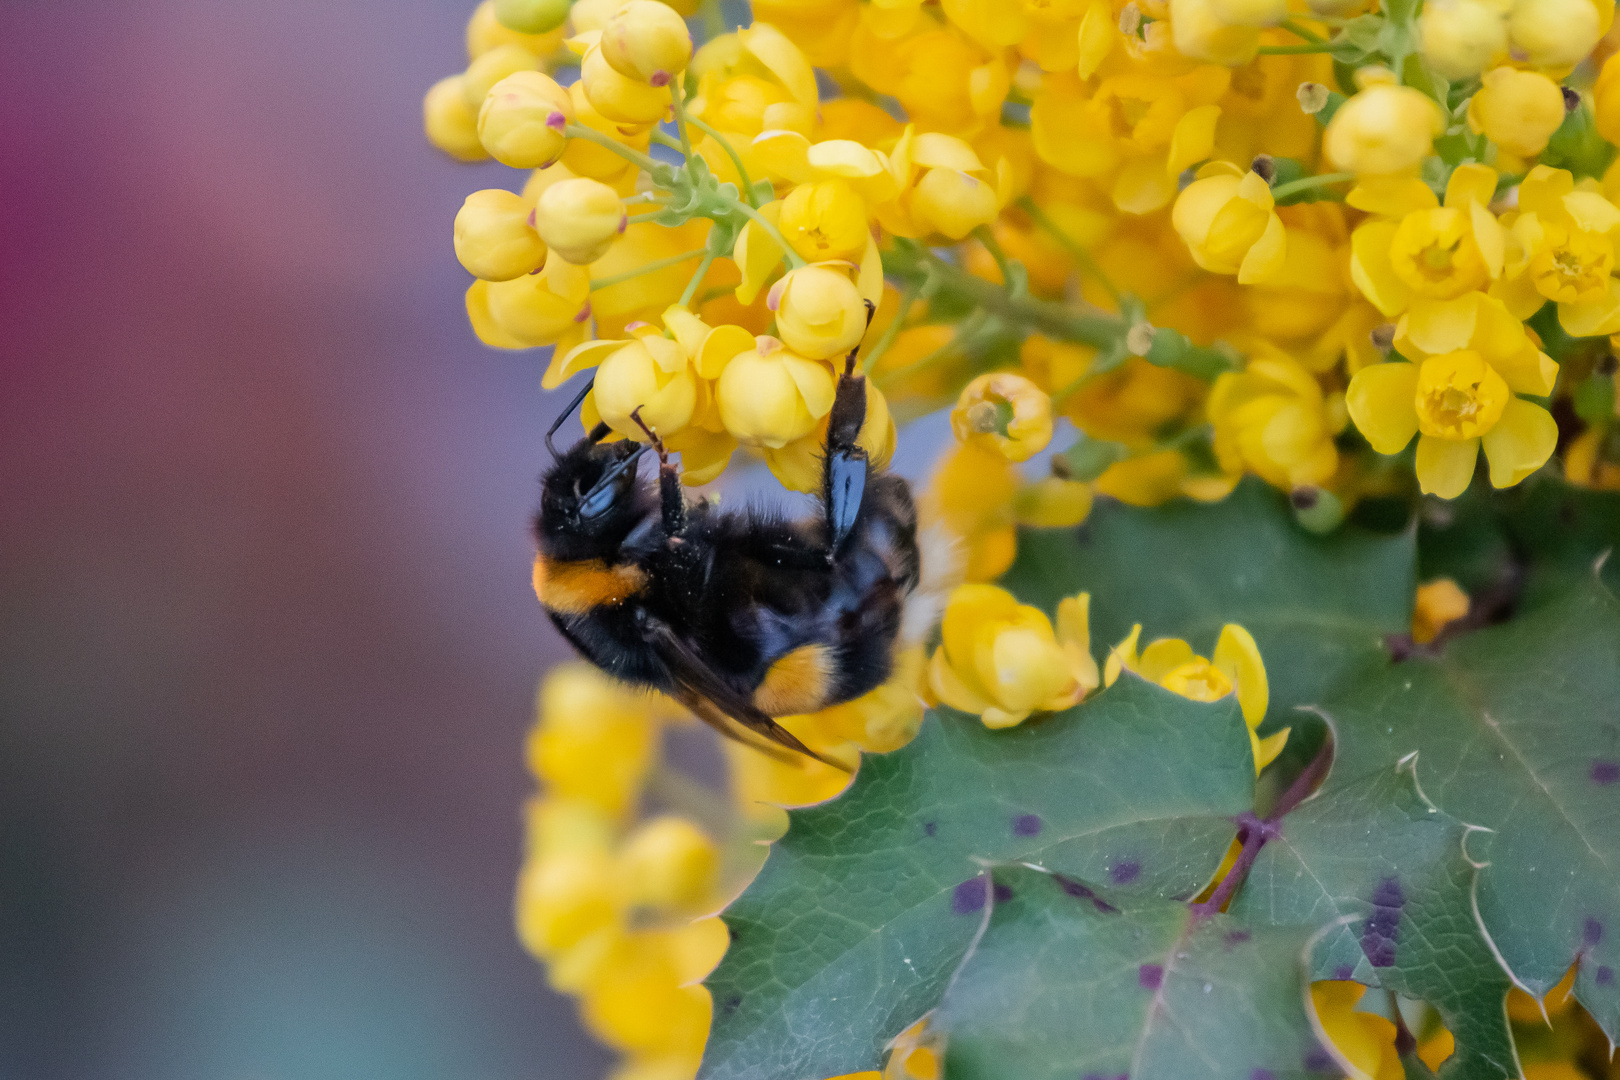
<point x="1374" y="848"/>
<point x="1318" y="606"/>
<point x="1078" y="983"/>
<point x="867" y="904"/>
<point x="1517" y="728"/>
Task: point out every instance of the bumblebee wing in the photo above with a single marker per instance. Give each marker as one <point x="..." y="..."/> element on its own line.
<point x="695" y="679"/>
<point x="710" y="714"/>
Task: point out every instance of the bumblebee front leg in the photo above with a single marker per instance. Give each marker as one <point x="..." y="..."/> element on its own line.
<point x="844" y="466"/>
<point x="672" y="504"/>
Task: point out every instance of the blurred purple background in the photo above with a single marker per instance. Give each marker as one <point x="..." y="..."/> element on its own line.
<point x="267" y="649"/>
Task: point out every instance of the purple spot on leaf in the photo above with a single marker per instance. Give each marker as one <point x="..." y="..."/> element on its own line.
<point x="1605" y="975"/>
<point x="1262" y="1074"/>
<point x="1319" y="1060"/>
<point x="1343" y="972"/>
<point x="1003" y="893"/>
<point x="1125" y="872"/>
<point x="1150" y="976"/>
<point x="1383" y="925"/>
<point x="1026" y="825"/>
<point x="931" y="827"/>
<point x="1592" y="932"/>
<point x="1236" y="937"/>
<point x="1605" y="772"/>
<point x="968" y="896"/>
<point x="1080" y="891"/>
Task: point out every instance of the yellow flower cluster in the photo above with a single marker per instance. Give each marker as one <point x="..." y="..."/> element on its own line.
<point x="1137" y="249"/>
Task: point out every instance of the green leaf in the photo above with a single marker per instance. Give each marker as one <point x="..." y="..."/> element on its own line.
<point x="863" y="908"/>
<point x="1070" y="982"/>
<point x="1563" y="531"/>
<point x="1318" y="606"/>
<point x="1516" y="729"/>
<point x="1375" y="849"/>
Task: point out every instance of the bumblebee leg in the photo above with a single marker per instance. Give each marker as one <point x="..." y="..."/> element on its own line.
<point x="566" y="413"/>
<point x="671" y="502"/>
<point x="844" y="465"/>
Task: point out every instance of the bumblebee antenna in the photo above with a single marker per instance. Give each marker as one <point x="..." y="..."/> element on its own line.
<point x="566" y="413"/>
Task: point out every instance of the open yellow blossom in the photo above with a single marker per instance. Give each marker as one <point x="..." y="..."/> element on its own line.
<point x="1235" y="668"/>
<point x="1383" y="129"/>
<point x="1201" y="34"/>
<point x="825" y="220"/>
<point x="652" y="374"/>
<point x="1230" y="224"/>
<point x="1005" y="412"/>
<point x="1272" y="419"/>
<point x="1365" y="1039"/>
<point x="798" y="465"/>
<point x="1433" y="251"/>
<point x="1564" y="251"/>
<point x="1469" y="358"/>
<point x="1001" y="660"/>
<point x="539" y="309"/>
<point x="1517" y="110"/>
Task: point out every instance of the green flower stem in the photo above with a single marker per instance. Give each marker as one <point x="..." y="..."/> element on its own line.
<point x="1293" y="50"/>
<point x="646" y="268"/>
<point x="580" y="131"/>
<point x="677" y="95"/>
<point x="985" y="236"/>
<point x="731" y="152"/>
<point x="1300" y="31"/>
<point x="1308" y="182"/>
<point x="773" y="232"/>
<point x="1080" y="255"/>
<point x="663" y="138"/>
<point x="691" y="286"/>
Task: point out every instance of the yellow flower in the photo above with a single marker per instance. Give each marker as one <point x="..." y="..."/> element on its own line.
<point x="769" y="395"/>
<point x="652" y="374"/>
<point x="493" y="237"/>
<point x="933" y="188"/>
<point x="1557" y="34"/>
<point x="1381" y="130"/>
<point x="485" y="31"/>
<point x="1230" y="225"/>
<point x="754" y="80"/>
<point x="887" y="717"/>
<point x="647" y="41"/>
<point x="1517" y="110"/>
<point x="643" y="1003"/>
<point x="1564" y="251"/>
<point x="1469" y="358"/>
<point x="1438" y="252"/>
<point x="586" y="158"/>
<point x="669" y="863"/>
<point x="1236" y="667"/>
<point x="971" y="495"/>
<point x="824" y="220"/>
<point x="1461" y="38"/>
<point x="819" y="311"/>
<point x="619" y="97"/>
<point x="539" y="309"/>
<point x="1366" y="1039"/>
<point x="1439" y="602"/>
<point x="564" y="898"/>
<point x="798" y="464"/>
<point x="580" y="218"/>
<point x="595" y="739"/>
<point x="1001" y="660"/>
<point x="532" y="16"/>
<point x="1272" y="419"/>
<point x="1587" y="465"/>
<point x="449" y="123"/>
<point x="491" y="68"/>
<point x="521" y="122"/>
<point x="1606" y="100"/>
<point x="1005" y="412"/>
<point x="1201" y="34"/>
<point x="1053" y="503"/>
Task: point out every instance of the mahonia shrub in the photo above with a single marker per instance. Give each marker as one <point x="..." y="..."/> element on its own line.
<point x="1271" y="724"/>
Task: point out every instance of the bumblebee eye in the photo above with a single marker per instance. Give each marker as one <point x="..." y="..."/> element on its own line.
<point x="597" y="502"/>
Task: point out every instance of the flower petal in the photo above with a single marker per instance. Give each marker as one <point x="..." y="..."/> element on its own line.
<point x="1445" y="466"/>
<point x="1382" y="400"/>
<point x="1520" y="443"/>
<point x="1238" y="658"/>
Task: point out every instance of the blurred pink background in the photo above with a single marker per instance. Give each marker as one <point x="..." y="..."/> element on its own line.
<point x="267" y="650"/>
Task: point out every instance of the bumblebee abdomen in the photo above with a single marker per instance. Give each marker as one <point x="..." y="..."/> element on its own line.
<point x="797" y="682"/>
<point x="577" y="586"/>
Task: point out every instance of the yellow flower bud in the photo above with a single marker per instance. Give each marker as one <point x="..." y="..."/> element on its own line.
<point x="1439" y="602"/>
<point x="579" y="219"/>
<point x="450" y="125"/>
<point x="1001" y="660"/>
<point x="1053" y="503"/>
<point x="798" y="465"/>
<point x="639" y="1003"/>
<point x="668" y="862"/>
<point x="1231" y="227"/>
<point x="950" y="201"/>
<point x="532" y="16"/>
<point x="1273" y="420"/>
<point x="563" y="899"/>
<point x="618" y="97"/>
<point x="1517" y="110"/>
<point x="1250" y="12"/>
<point x="1461" y="38"/>
<point x="770" y="396"/>
<point x="491" y="67"/>
<point x="522" y="120"/>
<point x="652" y="374"/>
<point x="537" y="309"/>
<point x="1004" y="412"/>
<point x="1200" y="34"/>
<point x="1383" y="129"/>
<point x="647" y="41"/>
<point x="825" y="220"/>
<point x="485" y="31"/>
<point x="1554" y="33"/>
<point x="819" y="311"/>
<point x="494" y="239"/>
<point x="595" y="740"/>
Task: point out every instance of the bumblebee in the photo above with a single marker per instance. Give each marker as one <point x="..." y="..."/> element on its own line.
<point x="741" y="616"/>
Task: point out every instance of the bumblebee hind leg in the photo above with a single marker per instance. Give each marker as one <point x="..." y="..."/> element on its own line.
<point x="845" y="467"/>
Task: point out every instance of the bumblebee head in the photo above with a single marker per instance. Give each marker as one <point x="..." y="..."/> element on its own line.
<point x="591" y="492"/>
